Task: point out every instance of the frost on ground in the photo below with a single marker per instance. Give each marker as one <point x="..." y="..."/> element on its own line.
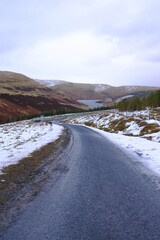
<point x="19" y="139"/>
<point x="137" y="133"/>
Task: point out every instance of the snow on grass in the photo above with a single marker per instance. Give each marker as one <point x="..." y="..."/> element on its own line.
<point x="153" y="121"/>
<point x="132" y="128"/>
<point x="121" y="98"/>
<point x="19" y="139"/>
<point x="136" y="123"/>
<point x="143" y="141"/>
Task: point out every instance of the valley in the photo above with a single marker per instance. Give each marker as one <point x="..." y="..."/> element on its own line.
<point x="22" y="97"/>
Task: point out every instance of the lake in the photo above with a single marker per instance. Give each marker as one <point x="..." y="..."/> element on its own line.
<point x="92" y="103"/>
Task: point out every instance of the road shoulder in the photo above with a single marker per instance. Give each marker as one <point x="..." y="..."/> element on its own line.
<point x="22" y="182"/>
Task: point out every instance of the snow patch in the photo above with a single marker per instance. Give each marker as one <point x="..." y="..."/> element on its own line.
<point x="132" y="128"/>
<point x="49" y="83"/>
<point x="19" y="139"/>
<point x="101" y="87"/>
<point x="121" y="98"/>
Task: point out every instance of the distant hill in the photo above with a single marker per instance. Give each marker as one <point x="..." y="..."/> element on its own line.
<point x="23" y="96"/>
<point x="106" y="93"/>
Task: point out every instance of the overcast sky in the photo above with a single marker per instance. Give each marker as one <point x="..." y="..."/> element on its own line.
<point x="116" y="42"/>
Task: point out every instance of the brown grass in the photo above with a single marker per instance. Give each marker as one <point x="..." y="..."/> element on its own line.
<point x="120" y="125"/>
<point x="150" y="128"/>
<point x="155" y="114"/>
<point x="15" y="83"/>
<point x="90" y="124"/>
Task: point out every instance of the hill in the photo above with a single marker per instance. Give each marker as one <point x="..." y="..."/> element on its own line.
<point x="103" y="92"/>
<point x="21" y="96"/>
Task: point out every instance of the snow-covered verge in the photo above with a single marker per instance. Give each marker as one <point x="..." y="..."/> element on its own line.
<point x="19" y="139"/>
<point x="138" y="144"/>
<point x="139" y="123"/>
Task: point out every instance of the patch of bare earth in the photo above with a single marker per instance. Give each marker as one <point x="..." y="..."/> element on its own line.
<point x="22" y="182"/>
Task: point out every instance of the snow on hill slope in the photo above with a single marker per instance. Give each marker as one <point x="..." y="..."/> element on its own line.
<point x="101" y="87"/>
<point x="49" y="83"/>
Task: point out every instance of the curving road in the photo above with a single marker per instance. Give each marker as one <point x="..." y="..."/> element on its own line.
<point x="99" y="196"/>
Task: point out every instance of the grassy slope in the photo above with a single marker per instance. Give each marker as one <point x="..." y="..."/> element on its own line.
<point x="14" y="83"/>
<point x="77" y="91"/>
<point x="89" y="91"/>
<point x="116" y="92"/>
<point x="20" y="95"/>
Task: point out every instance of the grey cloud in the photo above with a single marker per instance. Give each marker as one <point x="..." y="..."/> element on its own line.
<point x="133" y="25"/>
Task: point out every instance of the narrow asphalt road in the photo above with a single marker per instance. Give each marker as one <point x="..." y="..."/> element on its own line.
<point x="99" y="196"/>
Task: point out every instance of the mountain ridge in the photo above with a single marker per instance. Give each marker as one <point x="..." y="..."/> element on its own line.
<point x="104" y="92"/>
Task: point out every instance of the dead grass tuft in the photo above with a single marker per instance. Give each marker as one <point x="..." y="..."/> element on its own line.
<point x="150" y="128"/>
<point x="90" y="124"/>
